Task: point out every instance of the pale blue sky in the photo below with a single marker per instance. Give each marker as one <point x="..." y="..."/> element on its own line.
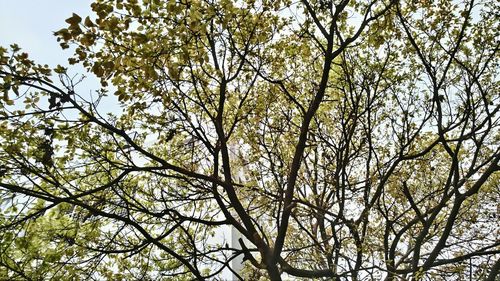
<point x="31" y="23"/>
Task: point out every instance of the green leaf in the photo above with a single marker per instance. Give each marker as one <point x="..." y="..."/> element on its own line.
<point x="74" y="19"/>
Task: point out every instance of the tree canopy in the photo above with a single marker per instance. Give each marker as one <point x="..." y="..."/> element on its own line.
<point x="343" y="140"/>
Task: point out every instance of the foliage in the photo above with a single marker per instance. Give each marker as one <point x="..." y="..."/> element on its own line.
<point x="353" y="140"/>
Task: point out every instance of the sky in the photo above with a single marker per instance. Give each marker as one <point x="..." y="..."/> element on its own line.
<point x="31" y="24"/>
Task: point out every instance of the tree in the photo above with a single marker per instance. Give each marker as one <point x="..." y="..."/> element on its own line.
<point x="346" y="140"/>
